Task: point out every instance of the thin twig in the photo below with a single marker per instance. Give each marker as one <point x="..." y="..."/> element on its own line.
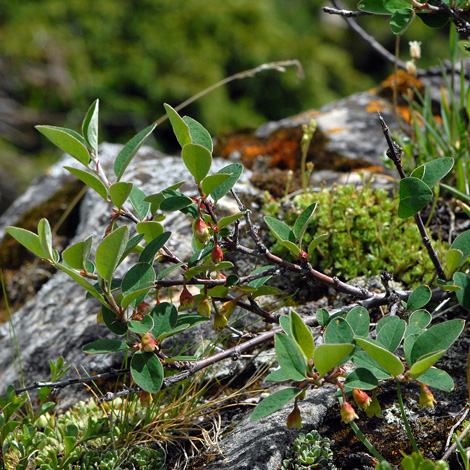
<point x="452" y="448"/>
<point x="345" y="13"/>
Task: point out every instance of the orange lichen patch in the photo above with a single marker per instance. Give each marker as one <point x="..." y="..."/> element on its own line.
<point x="375" y="105"/>
<point x="405" y="113"/>
<point x="402" y="81"/>
<point x="371" y="169"/>
<point x="334" y="130"/>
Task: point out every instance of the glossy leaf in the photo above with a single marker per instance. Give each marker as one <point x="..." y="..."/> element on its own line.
<point x="328" y="356"/>
<point x="198" y="133"/>
<point x="108" y="253"/>
<point x="28" y="239"/>
<point x="359" y="321"/>
<point x="140" y="205"/>
<point x="197" y="159"/>
<point x="362" y="379"/>
<point x="302" y="222"/>
<point x="381" y="7"/>
<point x="74" y="256"/>
<point x="323" y="317"/>
<point x="90" y="127"/>
<point x="438" y="379"/>
<point x="209" y="183"/>
<point x="438" y="337"/>
<point x="414" y="195"/>
<point x="90" y="180"/>
<point x="180" y="128"/>
<point x="401" y="20"/>
<point x="235" y="170"/>
<point x="463" y="294"/>
<point x="132" y="246"/>
<point x="462" y="243"/>
<point x="105" y="346"/>
<point x="302" y="335"/>
<point x="129" y="151"/>
<point x="424" y="363"/>
<point x="148" y="255"/>
<point x="453" y="259"/>
<point x="111" y="320"/>
<point x="292" y="247"/>
<point x="419" y="298"/>
<point x="274" y="402"/>
<point x="147" y="371"/>
<point x="362" y="360"/>
<point x="382" y="356"/>
<point x="150" y="229"/>
<point x="142" y="326"/>
<point x="119" y="192"/>
<point x="140" y="276"/>
<point x="338" y="331"/>
<point x="175" y="203"/>
<point x="45" y="237"/>
<point x="165" y="318"/>
<point x="169" y="270"/>
<point x="69" y="141"/>
<point x="224" y="221"/>
<point x="391" y="334"/>
<point x="289" y="357"/>
<point x="134" y="297"/>
<point x="280" y="230"/>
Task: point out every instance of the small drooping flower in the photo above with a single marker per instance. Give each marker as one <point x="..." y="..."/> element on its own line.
<point x="148" y="342"/>
<point x="205" y="308"/>
<point x="201" y="231"/>
<point x="415" y="49"/>
<point x="361" y="398"/>
<point x="186" y="299"/>
<point x="411" y="68"/>
<point x="374" y="407"/>
<point x="426" y="398"/>
<point x="347" y="413"/>
<point x="146" y="399"/>
<point x="220" y="322"/>
<point x="227" y="308"/>
<point x="303" y="256"/>
<point x="294" y="420"/>
<point x="217" y="254"/>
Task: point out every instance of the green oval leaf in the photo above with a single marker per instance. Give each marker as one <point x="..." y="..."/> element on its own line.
<point x="391" y="334"/>
<point x="419" y="298"/>
<point x="328" y="356"/>
<point x="67" y="140"/>
<point x="289" y="357"/>
<point x="437" y="378"/>
<point x="362" y="379"/>
<point x="112" y="322"/>
<point x="463" y="294"/>
<point x="235" y="170"/>
<point x="359" y="321"/>
<point x="362" y="360"/>
<point x="150" y="229"/>
<point x="175" y="203"/>
<point x="401" y="20"/>
<point x="165" y="318"/>
<point x="224" y="221"/>
<point x="414" y="195"/>
<point x="209" y="183"/>
<point x="198" y="133"/>
<point x="424" y="363"/>
<point x="302" y="221"/>
<point x="197" y="159"/>
<point x="453" y="259"/>
<point x="143" y="326"/>
<point x="129" y="151"/>
<point x="382" y="356"/>
<point x="45" y="237"/>
<point x="140" y="205"/>
<point x="105" y="346"/>
<point x="338" y="331"/>
<point x="439" y="337"/>
<point x="108" y="253"/>
<point x="323" y="317"/>
<point x="315" y="242"/>
<point x="382" y="7"/>
<point x="140" y="276"/>
<point x="73" y="256"/>
<point x="90" y="127"/>
<point x="147" y="371"/>
<point x="135" y="297"/>
<point x="462" y="243"/>
<point x="292" y="247"/>
<point x="90" y="180"/>
<point x="28" y="239"/>
<point x="180" y="128"/>
<point x="148" y="255"/>
<point x="274" y="402"/>
<point x="302" y="335"/>
<point x="435" y="170"/>
<point x="119" y="192"/>
<point x="280" y="230"/>
<point x="276" y="376"/>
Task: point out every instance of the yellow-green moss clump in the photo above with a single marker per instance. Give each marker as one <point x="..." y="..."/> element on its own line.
<point x="365" y="234"/>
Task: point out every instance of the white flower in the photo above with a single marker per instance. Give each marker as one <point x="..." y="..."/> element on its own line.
<point x="411" y="68"/>
<point x="415" y="49"/>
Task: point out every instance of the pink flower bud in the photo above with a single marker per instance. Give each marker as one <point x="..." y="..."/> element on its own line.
<point x="143" y="307"/>
<point x="347" y="413"/>
<point x="146" y="399"/>
<point x="205" y="308"/>
<point x="426" y="398"/>
<point x="294" y="420"/>
<point x="374" y="407"/>
<point x="148" y="342"/>
<point x="361" y="398"/>
<point x="303" y="256"/>
<point x="201" y="231"/>
<point x="186" y="299"/>
<point x="217" y="254"/>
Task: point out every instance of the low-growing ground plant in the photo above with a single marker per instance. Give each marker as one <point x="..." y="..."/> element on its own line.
<point x="402" y="347"/>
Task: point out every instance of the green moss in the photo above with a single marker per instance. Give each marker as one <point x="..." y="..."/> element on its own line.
<point x="365" y="235"/>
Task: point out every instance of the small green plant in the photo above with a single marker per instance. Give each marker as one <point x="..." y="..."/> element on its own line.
<point x="416" y="461"/>
<point x="309" y="451"/>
